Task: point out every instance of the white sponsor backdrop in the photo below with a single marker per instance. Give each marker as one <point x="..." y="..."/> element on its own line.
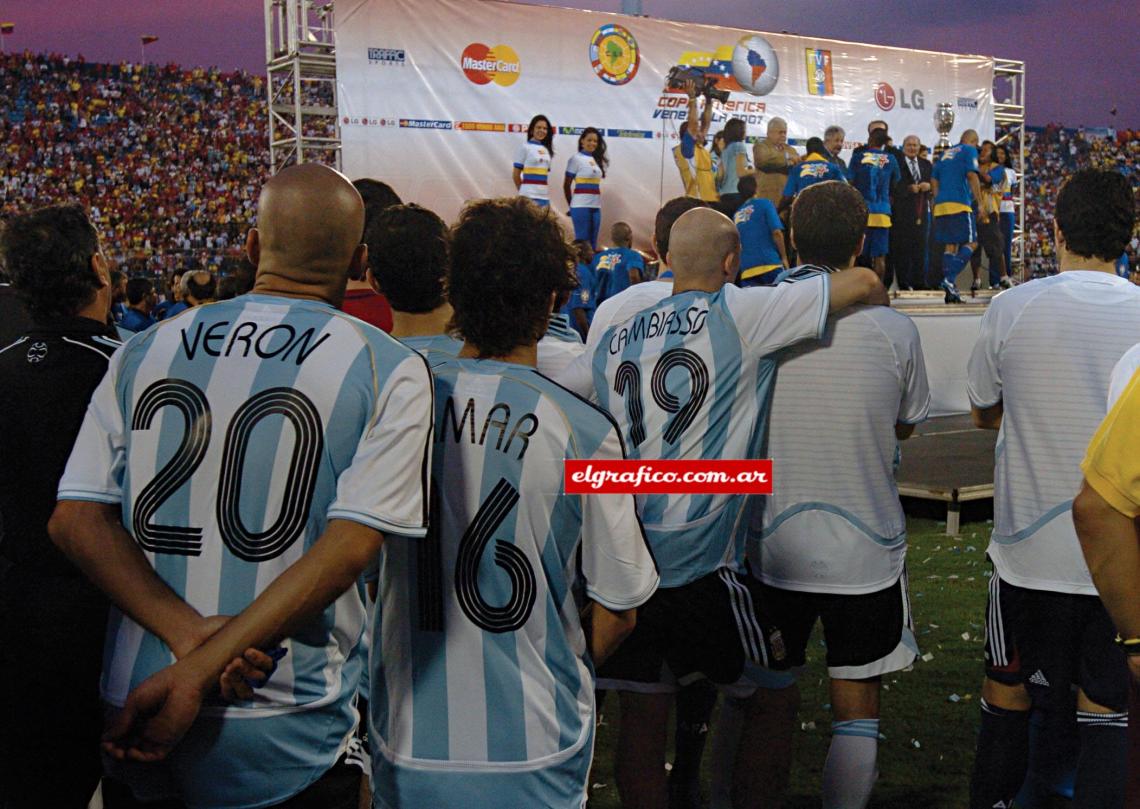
<point x="412" y="116"/>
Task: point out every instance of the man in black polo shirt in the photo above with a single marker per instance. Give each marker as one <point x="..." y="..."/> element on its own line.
<point x="52" y="620"/>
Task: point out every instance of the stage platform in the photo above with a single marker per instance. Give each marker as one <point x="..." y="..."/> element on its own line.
<point x="948" y="460"/>
<point x="948" y="333"/>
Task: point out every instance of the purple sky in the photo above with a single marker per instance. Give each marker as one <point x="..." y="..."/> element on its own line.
<point x="1082" y="58"/>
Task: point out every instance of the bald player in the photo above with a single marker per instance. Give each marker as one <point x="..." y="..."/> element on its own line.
<point x="957" y="194"/>
<point x="690" y="378"/>
<point x="247" y="459"/>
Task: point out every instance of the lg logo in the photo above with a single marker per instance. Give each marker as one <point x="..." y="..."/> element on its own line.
<point x="885" y="98"/>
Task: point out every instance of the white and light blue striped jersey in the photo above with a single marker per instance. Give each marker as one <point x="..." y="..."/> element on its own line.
<point x="690" y="379"/>
<point x="1045" y="351"/>
<point x="433" y="342"/>
<point x="833" y="523"/>
<point x="559" y="328"/>
<point x="230" y="435"/>
<point x="479" y="661"/>
<point x="578" y="376"/>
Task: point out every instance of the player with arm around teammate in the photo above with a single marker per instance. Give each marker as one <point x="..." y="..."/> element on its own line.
<point x="482" y="677"/>
<point x="699" y="391"/>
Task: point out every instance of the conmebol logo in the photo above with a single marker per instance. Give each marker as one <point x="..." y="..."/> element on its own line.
<point x="483" y="65"/>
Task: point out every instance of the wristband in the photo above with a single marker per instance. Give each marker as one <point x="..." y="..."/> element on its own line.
<point x="1130" y="646"/>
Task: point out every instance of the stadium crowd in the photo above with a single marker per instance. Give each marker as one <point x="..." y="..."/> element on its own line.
<point x="282" y="517"/>
<point x="167" y="160"/>
<point x="124" y="139"/>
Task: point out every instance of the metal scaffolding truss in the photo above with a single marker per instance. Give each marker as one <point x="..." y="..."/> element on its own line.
<point x="300" y="66"/>
<point x="1011" y="113"/>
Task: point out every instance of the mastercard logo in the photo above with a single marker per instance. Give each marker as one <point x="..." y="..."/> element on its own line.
<point x="483" y="65"/>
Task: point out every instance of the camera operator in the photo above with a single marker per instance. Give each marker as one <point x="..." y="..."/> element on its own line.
<point x="693" y="159"/>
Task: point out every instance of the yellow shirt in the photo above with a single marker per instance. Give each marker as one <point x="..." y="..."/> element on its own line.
<point x="1112" y="461"/>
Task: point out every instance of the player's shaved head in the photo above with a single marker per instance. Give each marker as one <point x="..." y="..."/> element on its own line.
<point x="309" y="221"/>
<point x="703" y="244"/>
<point x="970" y="137"/>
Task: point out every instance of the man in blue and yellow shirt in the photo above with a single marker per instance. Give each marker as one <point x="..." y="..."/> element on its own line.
<point x="762" y="252"/>
<point x="874" y="175"/>
<point x="817" y="167"/>
<point x="956" y="193"/>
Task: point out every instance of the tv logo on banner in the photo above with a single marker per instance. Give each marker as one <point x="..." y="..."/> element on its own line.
<point x="387" y="56"/>
<point x="819" y="79"/>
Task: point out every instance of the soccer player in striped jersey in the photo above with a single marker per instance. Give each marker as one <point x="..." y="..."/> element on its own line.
<point x="482" y="670"/>
<point x="690" y="378"/>
<point x="248" y="459"/>
<point x="830" y="543"/>
<point x="407" y="264"/>
<point x="1040" y="374"/>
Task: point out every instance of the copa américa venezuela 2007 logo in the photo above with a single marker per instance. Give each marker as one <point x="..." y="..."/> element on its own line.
<point x="614" y="54"/>
<point x="482" y="64"/>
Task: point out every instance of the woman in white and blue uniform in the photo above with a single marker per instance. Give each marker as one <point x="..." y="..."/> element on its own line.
<point x="583" y="185"/>
<point x="532" y="161"/>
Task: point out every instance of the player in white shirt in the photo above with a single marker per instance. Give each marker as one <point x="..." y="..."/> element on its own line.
<point x="690" y="379"/>
<point x="532" y="161"/>
<point x="482" y="671"/>
<point x="1039" y="374"/>
<point x="248" y="459"/>
<point x="830" y="543"/>
<point x="1122" y="374"/>
<point x="408" y="254"/>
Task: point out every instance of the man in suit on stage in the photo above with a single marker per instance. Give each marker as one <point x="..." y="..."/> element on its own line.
<point x="911" y="217"/>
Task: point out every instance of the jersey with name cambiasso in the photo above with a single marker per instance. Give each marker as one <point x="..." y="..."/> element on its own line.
<point x="231" y="435"/>
<point x="833" y="523"/>
<point x="1046" y="352"/>
<point x="691" y="379"/>
<point x="479" y="659"/>
<point x="952" y="171"/>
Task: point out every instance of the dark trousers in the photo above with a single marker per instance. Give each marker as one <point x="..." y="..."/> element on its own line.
<point x="51" y="653"/>
<point x="908" y="249"/>
<point x="339" y="788"/>
<point x="990" y="240"/>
